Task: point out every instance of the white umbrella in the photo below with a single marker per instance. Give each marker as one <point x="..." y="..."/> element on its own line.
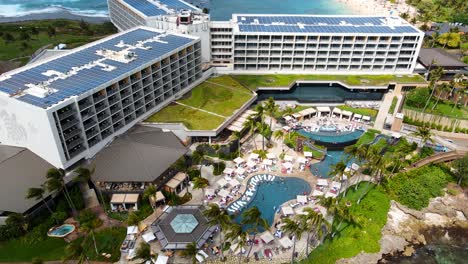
<point x="271" y="156"/>
<point x="236" y="249"/>
<point x="322" y="182"/>
<point x="209" y="191"/>
<point x="288" y="158"/>
<point x="286" y="242"/>
<point x="222" y="182"/>
<point x="239" y="160"/>
<point x="301" y="160"/>
<point x="148" y="237"/>
<point x="201" y="256"/>
<point x="286" y="128"/>
<point x="253" y="156"/>
<point x="251" y="164"/>
<point x="301" y="199"/>
<point x="288" y="118"/>
<point x="228" y="171"/>
<point x="131" y="230"/>
<point x="267" y="237"/>
<point x="240" y="171"/>
<point x="317" y="193"/>
<point x="288" y="165"/>
<point x="267" y="162"/>
<point x="307" y="154"/>
<point x="355" y="167"/>
<point x="336" y="185"/>
<point x="234" y="182"/>
<point x="162" y="259"/>
<point x="287" y="210"/>
<point x="223" y="193"/>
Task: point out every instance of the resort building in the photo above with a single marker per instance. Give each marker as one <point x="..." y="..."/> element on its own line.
<point x="67" y="108"/>
<point x="253" y="43"/>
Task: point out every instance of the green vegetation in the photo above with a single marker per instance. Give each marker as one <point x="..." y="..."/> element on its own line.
<point x="221" y="95"/>
<point x="353" y="239"/>
<point x="285" y="80"/>
<point x="417" y="98"/>
<point x="108" y="240"/>
<point x="393" y="105"/>
<point x="19" y="250"/>
<point x="23" y="39"/>
<point x="367" y="137"/>
<point x="315" y="153"/>
<point x="414" y="188"/>
<point x="361" y="111"/>
<point x="441" y="10"/>
<point x="192" y="118"/>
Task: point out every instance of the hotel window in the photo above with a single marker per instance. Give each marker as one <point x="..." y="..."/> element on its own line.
<point x="312" y="38"/>
<point x="348" y="38"/>
<point x="372" y="39"/>
<point x="325" y="38"/>
<point x="324" y="46"/>
<point x="360" y="38"/>
<point x="337" y="38"/>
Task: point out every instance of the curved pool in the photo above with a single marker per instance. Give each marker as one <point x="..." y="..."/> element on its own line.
<point x="61" y="231"/>
<point x="268" y="192"/>
<point x="333" y="137"/>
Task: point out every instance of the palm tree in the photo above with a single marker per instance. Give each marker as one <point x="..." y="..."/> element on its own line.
<point x="443" y="88"/>
<point x="309" y="222"/>
<point x="337" y="171"/>
<point x="56" y="183"/>
<point x="218" y="217"/>
<point x="75" y="251"/>
<point x="261" y="115"/>
<point x="449" y="39"/>
<point x="149" y="192"/>
<point x="270" y="109"/>
<point x="38" y="194"/>
<point x="143" y="253"/>
<point x="253" y="217"/>
<point x="461" y="168"/>
<point x="251" y="125"/>
<point x="404" y="15"/>
<point x="425" y="134"/>
<point x="88" y="228"/>
<point x="294" y="228"/>
<point x="279" y="135"/>
<point x="200" y="183"/>
<point x="237" y="136"/>
<point x="84" y="175"/>
<point x="434" y="77"/>
<point x="339" y="210"/>
<point x="191" y="251"/>
<point x="236" y="233"/>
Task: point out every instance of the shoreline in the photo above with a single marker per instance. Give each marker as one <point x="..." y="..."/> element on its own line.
<point x="63" y="14"/>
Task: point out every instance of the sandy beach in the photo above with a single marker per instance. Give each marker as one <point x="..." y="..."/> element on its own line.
<point x="379" y="7"/>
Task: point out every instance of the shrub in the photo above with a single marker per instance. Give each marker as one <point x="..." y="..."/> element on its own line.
<point x="193" y="173"/>
<point x="218" y="168"/>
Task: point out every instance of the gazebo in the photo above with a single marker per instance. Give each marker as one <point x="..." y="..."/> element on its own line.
<point x="181" y="225"/>
<point x="323" y="110"/>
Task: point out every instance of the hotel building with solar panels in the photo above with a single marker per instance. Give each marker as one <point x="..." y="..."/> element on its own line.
<point x="249" y="43"/>
<point x="67" y="108"/>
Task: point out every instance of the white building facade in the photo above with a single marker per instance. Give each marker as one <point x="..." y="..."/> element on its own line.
<point x="68" y="108"/>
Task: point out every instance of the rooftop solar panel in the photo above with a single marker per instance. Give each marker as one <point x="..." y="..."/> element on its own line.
<point x="157" y="8"/>
<point x="88" y="78"/>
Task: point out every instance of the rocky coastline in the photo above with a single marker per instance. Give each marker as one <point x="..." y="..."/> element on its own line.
<point x="407" y="230"/>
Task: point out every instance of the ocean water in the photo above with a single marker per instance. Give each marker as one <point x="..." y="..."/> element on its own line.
<point x="219" y="9"/>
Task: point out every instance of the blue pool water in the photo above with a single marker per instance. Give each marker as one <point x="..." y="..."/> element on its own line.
<point x="332" y="137"/>
<point x="62" y="230"/>
<point x="322" y="168"/>
<point x="271" y="195"/>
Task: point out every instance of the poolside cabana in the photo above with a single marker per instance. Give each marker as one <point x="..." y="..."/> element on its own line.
<point x="209" y="192"/>
<point x="287" y="210"/>
<point x="357" y="117"/>
<point x="271" y="156"/>
<point x="288" y="118"/>
<point x="297" y="116"/>
<point x="148" y="237"/>
<point x="302" y="199"/>
<point x="285" y="242"/>
<point x="288" y="158"/>
<point x="347" y="114"/>
<point x="323" y="110"/>
<point x="132" y="230"/>
<point x="222" y="182"/>
<point x="251" y="164"/>
<point x="156" y="199"/>
<point x="240" y="171"/>
<point x="223" y="193"/>
<point x="317" y="193"/>
<point x="307" y="154"/>
<point x="302" y="160"/>
<point x="267" y="162"/>
<point x="177" y="183"/>
<point x="124" y="201"/>
<point x="267" y="237"/>
<point x="254" y="157"/>
<point x="288" y="166"/>
<point x="366" y="118"/>
<point x="337" y="112"/>
<point x="309" y="112"/>
<point x="201" y="256"/>
<point x="234" y="183"/>
<point x="238" y="161"/>
<point x="322" y="182"/>
<point x="162" y="259"/>
<point x="228" y="171"/>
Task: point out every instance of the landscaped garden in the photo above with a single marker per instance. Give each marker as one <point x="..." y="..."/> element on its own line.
<point x="285" y="80"/>
<point x="206" y="106"/>
<point x="361" y="111"/>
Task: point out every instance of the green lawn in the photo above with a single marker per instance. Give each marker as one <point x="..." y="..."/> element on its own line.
<point x="362" y="111"/>
<point x="352" y="240"/>
<point x="367" y="137"/>
<point x="277" y="80"/>
<point x="393" y="105"/>
<point x="67" y="31"/>
<point x="107" y="241"/>
<point x="17" y="250"/>
<point x="191" y="118"/>
<point x="444" y="109"/>
<point x="221" y="95"/>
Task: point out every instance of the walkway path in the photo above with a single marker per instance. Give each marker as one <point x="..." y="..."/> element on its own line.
<point x="383" y="111"/>
<point x="440" y="157"/>
<point x="199" y="109"/>
<point x="230" y="88"/>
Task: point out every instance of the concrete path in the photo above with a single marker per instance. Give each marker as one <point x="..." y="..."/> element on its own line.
<point x="383" y="111"/>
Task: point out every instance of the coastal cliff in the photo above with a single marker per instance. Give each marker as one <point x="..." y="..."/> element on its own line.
<point x="443" y="221"/>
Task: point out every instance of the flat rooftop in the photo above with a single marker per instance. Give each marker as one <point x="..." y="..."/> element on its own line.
<point x="51" y="81"/>
<point x="322" y="24"/>
<point x="151" y="8"/>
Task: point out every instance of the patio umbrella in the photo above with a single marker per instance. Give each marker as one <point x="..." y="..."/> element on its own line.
<point x="267" y="237"/>
<point x="148" y="237"/>
<point x="240" y="171"/>
<point x="223" y="193"/>
<point x="239" y="160"/>
<point x="131" y="230"/>
<point x="234" y="182"/>
<point x="287" y="210"/>
<point x="288" y="158"/>
<point x="251" y="164"/>
<point x="285" y="242"/>
<point x="222" y="182"/>
<point x="301" y="160"/>
<point x="271" y="156"/>
<point x="317" y="193"/>
<point x="253" y="156"/>
<point x="209" y="191"/>
<point x="288" y="165"/>
<point x="267" y="162"/>
<point x="307" y="154"/>
<point x="301" y="199"/>
<point x="228" y="171"/>
<point x="322" y="182"/>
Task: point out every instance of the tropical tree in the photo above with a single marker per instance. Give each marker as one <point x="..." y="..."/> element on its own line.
<point x="38" y="194"/>
<point x="270" y="110"/>
<point x="261" y="124"/>
<point x="251" y="125"/>
<point x="451" y="40"/>
<point x="461" y="168"/>
<point x="143" y="253"/>
<point x="200" y="183"/>
<point x="294" y="228"/>
<point x="84" y="175"/>
<point x="55" y="183"/>
<point x="279" y="135"/>
<point x="236" y="233"/>
<point x="218" y="217"/>
<point x="404" y="15"/>
<point x="425" y="134"/>
<point x="238" y="136"/>
<point x="339" y="210"/>
<point x="75" y="251"/>
<point x="434" y="77"/>
<point x="253" y="218"/>
<point x="191" y="251"/>
<point x="338" y="171"/>
<point x="310" y="221"/>
<point x="88" y="228"/>
<point x="443" y="88"/>
<point x="133" y="219"/>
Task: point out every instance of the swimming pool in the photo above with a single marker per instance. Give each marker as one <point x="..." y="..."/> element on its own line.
<point x="333" y="137"/>
<point x="271" y="194"/>
<point x="61" y="231"/>
<point x="322" y="168"/>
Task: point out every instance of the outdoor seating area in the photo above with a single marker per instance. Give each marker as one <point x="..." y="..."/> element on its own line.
<point x="121" y="186"/>
<point x="124" y="201"/>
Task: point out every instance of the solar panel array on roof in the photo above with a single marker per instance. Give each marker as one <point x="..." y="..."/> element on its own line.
<point x="326" y="29"/>
<point x="310" y="20"/>
<point x="88" y="78"/>
<point x="150" y="8"/>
